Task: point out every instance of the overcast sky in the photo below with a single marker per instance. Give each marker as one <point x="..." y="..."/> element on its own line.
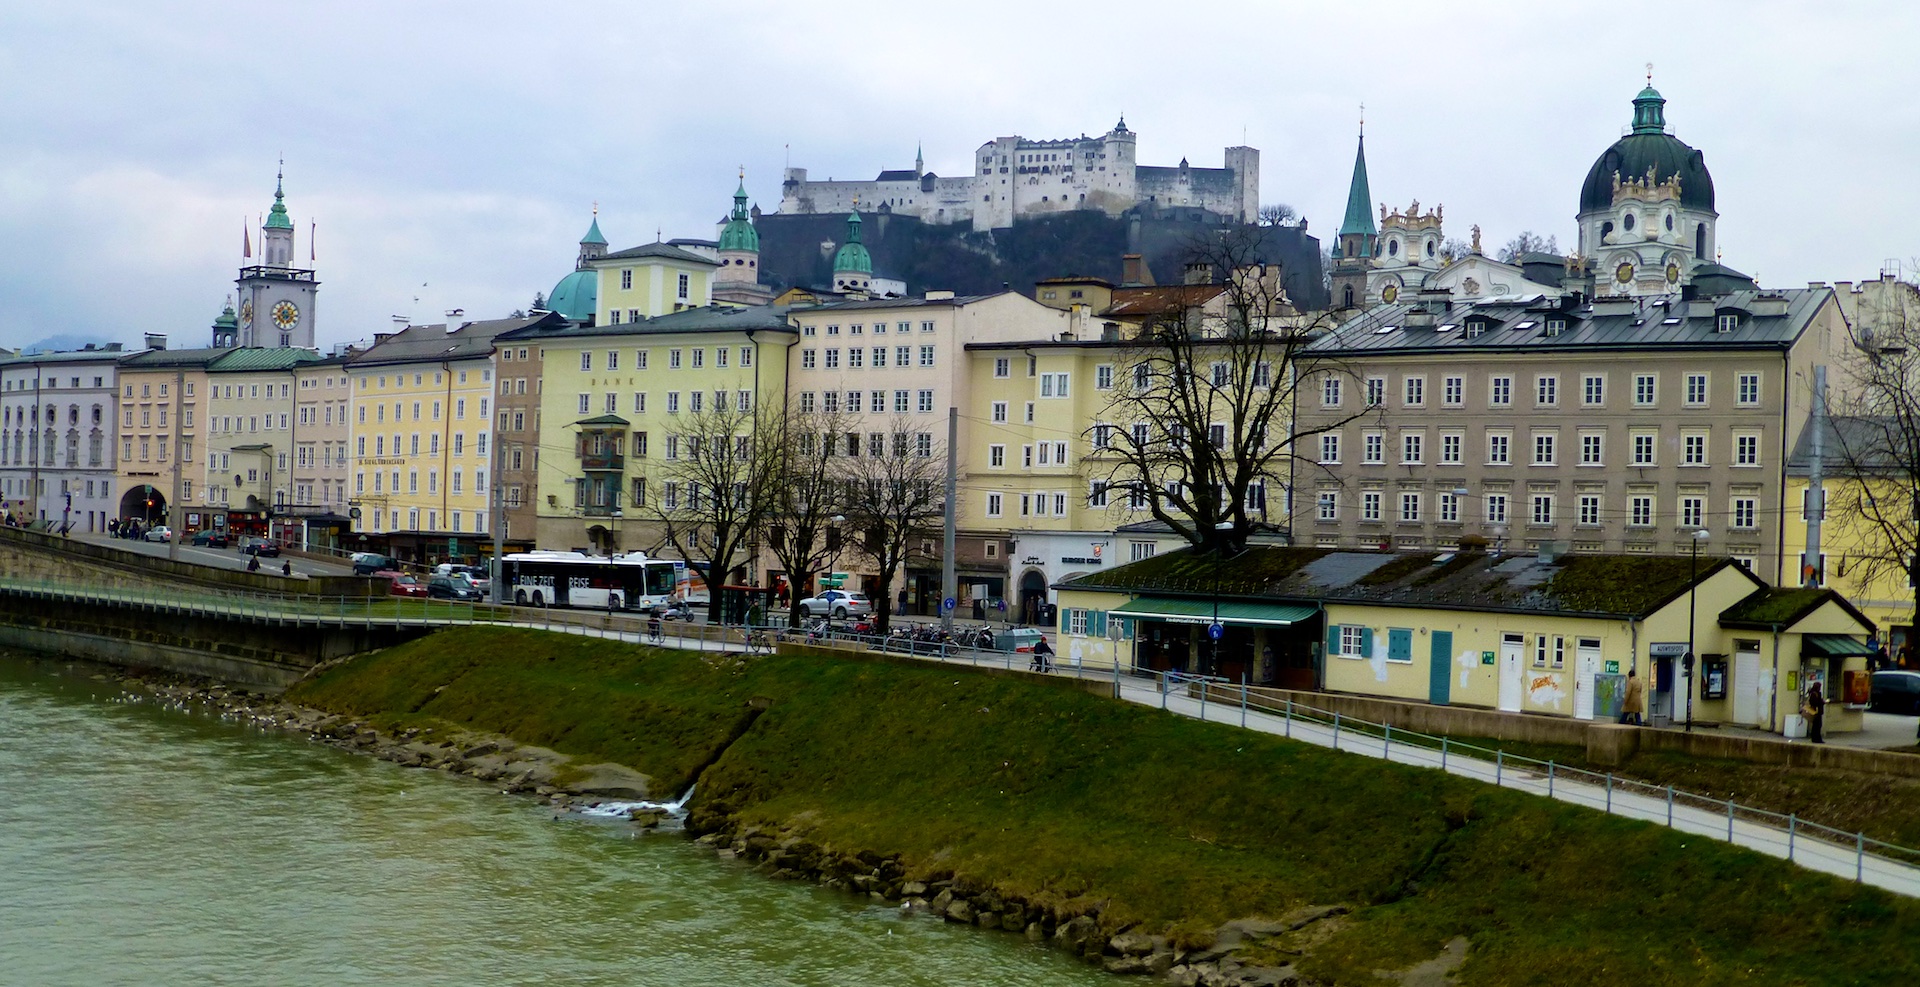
<point x="451" y="153"/>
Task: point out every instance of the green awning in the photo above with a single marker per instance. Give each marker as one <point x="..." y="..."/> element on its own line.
<point x="1832" y="646"/>
<point x="1204" y="611"/>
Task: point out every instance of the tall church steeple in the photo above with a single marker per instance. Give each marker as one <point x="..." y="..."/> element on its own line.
<point x="276" y="235"/>
<point x="276" y="298"/>
<point x="1353" y="251"/>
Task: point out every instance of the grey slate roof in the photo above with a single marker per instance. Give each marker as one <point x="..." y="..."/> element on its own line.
<point x="1848" y="443"/>
<point x="906" y="301"/>
<point x="1613" y="585"/>
<point x="422" y="344"/>
<point x="96" y="355"/>
<point x="1666" y="322"/>
<point x="662" y="250"/>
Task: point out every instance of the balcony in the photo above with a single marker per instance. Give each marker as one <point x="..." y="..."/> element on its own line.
<point x="603" y="461"/>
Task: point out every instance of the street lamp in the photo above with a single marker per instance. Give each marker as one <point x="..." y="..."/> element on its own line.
<point x="1693" y="587"/>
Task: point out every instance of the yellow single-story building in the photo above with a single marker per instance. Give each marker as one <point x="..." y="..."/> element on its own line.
<point x="1532" y="634"/>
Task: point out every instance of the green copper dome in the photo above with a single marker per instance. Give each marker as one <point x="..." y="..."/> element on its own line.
<point x="739" y="233"/>
<point x="577" y="296"/>
<point x="277" y="216"/>
<point x="227" y="319"/>
<point x="1649" y="146"/>
<point x="852" y="256"/>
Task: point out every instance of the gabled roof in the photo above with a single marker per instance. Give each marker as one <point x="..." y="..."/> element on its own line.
<point x="664" y="251"/>
<point x="1607" y="585"/>
<point x="156" y="359"/>
<point x="604" y="420"/>
<point x="1781" y="607"/>
<point x="1851" y="444"/>
<point x="711" y="318"/>
<point x="1165" y="299"/>
<point x="258" y="358"/>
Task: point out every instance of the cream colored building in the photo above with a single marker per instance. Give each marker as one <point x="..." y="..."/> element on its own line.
<point x="1619" y="425"/>
<point x="162" y="421"/>
<point x="250" y="427"/>
<point x="321" y="438"/>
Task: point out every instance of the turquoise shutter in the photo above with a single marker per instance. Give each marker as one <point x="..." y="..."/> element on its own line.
<point x="1400" y="644"/>
<point x="1333" y="639"/>
<point x="1098" y="624"/>
<point x="1366" y="642"/>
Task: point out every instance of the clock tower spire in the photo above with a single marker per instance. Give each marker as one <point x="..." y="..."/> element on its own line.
<point x="276" y="298"/>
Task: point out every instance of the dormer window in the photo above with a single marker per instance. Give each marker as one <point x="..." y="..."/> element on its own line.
<point x="1475" y="328"/>
<point x="1556" y="326"/>
<point x="1726" y="322"/>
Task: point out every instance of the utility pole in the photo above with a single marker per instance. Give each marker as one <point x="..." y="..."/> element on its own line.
<point x="179" y="443"/>
<point x="498" y="499"/>
<point x="949" y="586"/>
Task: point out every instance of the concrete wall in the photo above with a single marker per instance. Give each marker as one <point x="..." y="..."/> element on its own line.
<point x="33" y="553"/>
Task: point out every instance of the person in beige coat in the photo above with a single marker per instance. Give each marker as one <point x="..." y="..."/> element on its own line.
<point x="1636" y="700"/>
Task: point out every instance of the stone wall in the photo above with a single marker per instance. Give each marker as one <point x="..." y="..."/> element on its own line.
<point x="35" y="553"/>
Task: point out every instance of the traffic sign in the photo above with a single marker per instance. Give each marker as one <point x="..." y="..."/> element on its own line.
<point x="1216" y="630"/>
<point x="947" y="604"/>
<point x="999" y="604"/>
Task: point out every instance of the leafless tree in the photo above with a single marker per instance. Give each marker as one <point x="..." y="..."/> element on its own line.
<point x="1871" y="451"/>
<point x="713" y="493"/>
<point x="1202" y="420"/>
<point x="895" y="498"/>
<point x="1279" y="214"/>
<point x="1528" y="242"/>
<point x="807" y="499"/>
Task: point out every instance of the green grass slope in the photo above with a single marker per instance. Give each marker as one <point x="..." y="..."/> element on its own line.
<point x="1057" y="795"/>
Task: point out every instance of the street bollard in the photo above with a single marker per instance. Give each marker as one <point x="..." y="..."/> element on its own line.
<point x="1386" y="747"/>
<point x="1729" y="820"/>
<point x="1289" y="716"/>
<point x="1609" y="793"/>
<point x="1549" y="779"/>
<point x="1243" y="700"/>
<point x="1499" y="767"/>
<point x="1669" y="806"/>
<point x="1336" y="731"/>
<point x="1443" y="753"/>
<point x="1792" y="825"/>
<point x="1859" y="856"/>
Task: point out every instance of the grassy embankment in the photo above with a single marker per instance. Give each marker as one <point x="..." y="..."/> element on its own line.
<point x="1049" y="792"/>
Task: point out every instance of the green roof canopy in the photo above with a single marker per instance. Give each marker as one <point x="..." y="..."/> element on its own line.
<point x="1832" y="646"/>
<point x="1204" y="611"/>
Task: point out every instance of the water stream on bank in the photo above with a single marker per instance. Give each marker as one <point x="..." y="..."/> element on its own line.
<point x="147" y="845"/>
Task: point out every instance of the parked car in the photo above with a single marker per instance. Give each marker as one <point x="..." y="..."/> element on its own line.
<point x="159" y="532"/>
<point x="1896" y="691"/>
<point x="264" y="547"/>
<point x="369" y="563"/>
<point x="838" y="604"/>
<point x="403" y="584"/>
<point x="211" y="538"/>
<point x="476" y="574"/>
<point x="455" y="587"/>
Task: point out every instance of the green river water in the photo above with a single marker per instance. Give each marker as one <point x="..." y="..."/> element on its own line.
<point x="146" y="845"/>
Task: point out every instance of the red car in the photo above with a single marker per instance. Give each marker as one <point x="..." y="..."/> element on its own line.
<point x="403" y="584"/>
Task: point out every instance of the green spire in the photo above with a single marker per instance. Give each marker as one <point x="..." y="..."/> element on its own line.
<point x="853" y="255"/>
<point x="1359" y="198"/>
<point x="593" y="232"/>
<point x="1649" y="113"/>
<point x="277" y="216"/>
<point x="739" y="233"/>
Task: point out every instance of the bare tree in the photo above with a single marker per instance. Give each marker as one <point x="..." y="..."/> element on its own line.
<point x="1871" y="451"/>
<point x="714" y="488"/>
<point x="895" y="498"/>
<point x="1279" y="214"/>
<point x="1455" y="248"/>
<point x="1528" y="242"/>
<point x="807" y="499"/>
<point x="1202" y="421"/>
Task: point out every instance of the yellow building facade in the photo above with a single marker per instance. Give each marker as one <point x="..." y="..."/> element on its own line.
<point x="649" y="280"/>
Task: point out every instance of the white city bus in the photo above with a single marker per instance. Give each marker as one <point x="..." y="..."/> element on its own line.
<point x="575" y="579"/>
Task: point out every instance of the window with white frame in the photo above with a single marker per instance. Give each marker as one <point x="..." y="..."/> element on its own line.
<point x="1593" y="390"/>
<point x="1097" y="494"/>
<point x="1330" y="447"/>
<point x="1693" y="511"/>
<point x="1747" y="392"/>
<point x="1542" y="509"/>
<point x="1370" y="505"/>
<point x="1744" y="512"/>
<point x="1453" y="392"/>
<point x="1746" y="450"/>
<point x="1693" y="449"/>
<point x="997" y="456"/>
<point x="1330" y="391"/>
<point x="1000" y="412"/>
<point x="1413" y="391"/>
<point x="1644" y="446"/>
<point x="1141" y="550"/>
<point x="1543" y="448"/>
<point x="1412" y="448"/>
<point x="1409" y="507"/>
<point x="1696" y="393"/>
<point x="1640" y="511"/>
<point x="1353" y="641"/>
<point x="1376" y="391"/>
<point x="1499" y="448"/>
<point x="1103" y="377"/>
<point x="1053" y="385"/>
<point x="1546" y="390"/>
<point x="1496" y="508"/>
<point x="1592" y="449"/>
<point x="1500" y="391"/>
<point x="1002" y="367"/>
<point x="1589" y="510"/>
<point x="993" y="505"/>
<point x="1329" y="505"/>
<point x="1645" y="390"/>
<point x="1449" y="508"/>
<point x="1373" y="447"/>
<point x="1451" y="446"/>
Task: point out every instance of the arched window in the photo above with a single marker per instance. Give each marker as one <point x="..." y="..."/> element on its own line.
<point x="1346" y="296"/>
<point x="1700" y="241"/>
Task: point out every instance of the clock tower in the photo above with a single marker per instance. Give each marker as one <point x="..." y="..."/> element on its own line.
<point x="276" y="298"/>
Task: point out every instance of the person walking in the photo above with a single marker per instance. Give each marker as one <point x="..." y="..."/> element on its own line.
<point x="1816" y="710"/>
<point x="1636" y="700"/>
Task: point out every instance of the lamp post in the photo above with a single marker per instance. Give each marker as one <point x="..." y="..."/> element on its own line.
<point x="1693" y="588"/>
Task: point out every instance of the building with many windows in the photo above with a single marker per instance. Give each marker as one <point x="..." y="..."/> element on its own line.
<point x="422" y="424"/>
<point x="1616" y="425"/>
<point x="322" y="397"/>
<point x="57" y="418"/>
<point x="250" y="429"/>
<point x="159" y="476"/>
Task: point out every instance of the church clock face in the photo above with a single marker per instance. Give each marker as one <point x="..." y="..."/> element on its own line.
<point x="1389" y="293"/>
<point x="246" y="313"/>
<point x="1673" y="274"/>
<point x="1623" y="273"/>
<point x="286" y="315"/>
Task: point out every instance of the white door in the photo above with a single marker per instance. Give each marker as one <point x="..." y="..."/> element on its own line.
<point x="1746" y="688"/>
<point x="1586" y="666"/>
<point x="1512" y="649"/>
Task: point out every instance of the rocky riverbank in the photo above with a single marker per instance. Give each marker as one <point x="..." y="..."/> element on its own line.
<point x="1249" y="952"/>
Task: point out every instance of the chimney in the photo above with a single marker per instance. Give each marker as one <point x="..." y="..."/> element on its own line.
<point x="156" y="340"/>
<point x="381" y="337"/>
<point x="939" y="295"/>
<point x="1199" y="272"/>
<point x="456" y="317"/>
<point x="1134" y="272"/>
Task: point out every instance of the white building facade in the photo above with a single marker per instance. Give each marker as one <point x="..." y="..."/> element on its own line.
<point x="57" y="458"/>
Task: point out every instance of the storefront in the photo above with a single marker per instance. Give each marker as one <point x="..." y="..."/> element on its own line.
<point x="1261" y="643"/>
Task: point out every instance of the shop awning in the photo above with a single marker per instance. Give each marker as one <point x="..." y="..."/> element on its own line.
<point x="1832" y="646"/>
<point x="1204" y="611"/>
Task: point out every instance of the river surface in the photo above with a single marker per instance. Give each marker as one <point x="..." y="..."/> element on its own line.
<point x="147" y="845"/>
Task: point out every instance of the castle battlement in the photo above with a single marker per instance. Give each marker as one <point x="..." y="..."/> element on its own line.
<point x="1018" y="178"/>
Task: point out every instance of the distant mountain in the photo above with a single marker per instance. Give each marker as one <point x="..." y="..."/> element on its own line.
<point x="797" y="251"/>
<point x="63" y="341"/>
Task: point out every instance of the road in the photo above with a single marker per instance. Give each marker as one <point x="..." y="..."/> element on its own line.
<point x="220" y="558"/>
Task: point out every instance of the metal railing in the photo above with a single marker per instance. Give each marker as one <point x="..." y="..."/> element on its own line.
<point x="1852" y="855"/>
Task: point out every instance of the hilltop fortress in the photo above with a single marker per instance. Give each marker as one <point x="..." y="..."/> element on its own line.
<point x="1015" y="178"/>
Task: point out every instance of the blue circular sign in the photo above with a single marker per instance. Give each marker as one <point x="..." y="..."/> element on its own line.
<point x="1216" y="630"/>
<point x="999" y="604"/>
<point x="947" y="604"/>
